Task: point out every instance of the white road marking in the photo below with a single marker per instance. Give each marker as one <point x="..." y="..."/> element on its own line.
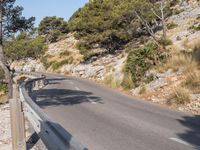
<point x="77" y="88"/>
<point x="182" y="142"/>
<point x="91" y="101"/>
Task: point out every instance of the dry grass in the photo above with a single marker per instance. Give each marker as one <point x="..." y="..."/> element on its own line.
<point x="180" y="96"/>
<point x="174" y="31"/>
<point x="192" y="44"/>
<point x="143" y="89"/>
<point x="176" y="62"/>
<point x="175" y="48"/>
<point x="192" y="81"/>
<point x="110" y="68"/>
<point x="3" y="98"/>
<point x="112" y="82"/>
<point x="127" y="82"/>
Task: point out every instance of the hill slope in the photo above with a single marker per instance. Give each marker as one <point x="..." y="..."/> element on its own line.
<point x="109" y="44"/>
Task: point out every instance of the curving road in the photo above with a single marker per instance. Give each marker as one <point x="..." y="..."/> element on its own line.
<point x="103" y="119"/>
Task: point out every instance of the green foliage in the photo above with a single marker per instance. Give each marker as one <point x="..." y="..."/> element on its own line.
<point x="3" y="87"/>
<point x="24" y="46"/>
<point x="107" y="22"/>
<point x="165" y="41"/>
<point x="195" y="27"/>
<point x="140" y="60"/>
<point x="13" y="21"/>
<point x="111" y="24"/>
<point x="171" y="25"/>
<point x="143" y="89"/>
<point x="56" y="65"/>
<point x="52" y="28"/>
<point x="177" y="11"/>
<point x="1" y="74"/>
<point x="45" y="62"/>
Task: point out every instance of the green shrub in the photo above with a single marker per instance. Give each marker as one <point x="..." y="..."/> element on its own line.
<point x="165" y="41"/>
<point x="53" y="28"/>
<point x="53" y="36"/>
<point x="195" y="27"/>
<point x="172" y="25"/>
<point x="65" y="53"/>
<point x="1" y="74"/>
<point x="111" y="24"/>
<point x="55" y="65"/>
<point x="44" y="61"/>
<point x="3" y="86"/>
<point x="143" y="89"/>
<point x="177" y="11"/>
<point x="24" y="46"/>
<point x="140" y="60"/>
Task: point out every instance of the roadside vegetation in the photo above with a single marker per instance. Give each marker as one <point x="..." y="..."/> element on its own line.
<point x="123" y="22"/>
<point x="180" y="96"/>
<point x="23" y="46"/>
<point x="53" y="28"/>
<point x="137" y="29"/>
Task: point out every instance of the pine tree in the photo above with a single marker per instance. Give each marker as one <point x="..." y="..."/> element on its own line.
<point x="11" y="22"/>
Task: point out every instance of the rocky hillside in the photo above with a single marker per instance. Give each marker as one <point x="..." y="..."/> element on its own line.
<point x="168" y="75"/>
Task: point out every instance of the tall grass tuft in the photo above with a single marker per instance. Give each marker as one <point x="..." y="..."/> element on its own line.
<point x="180" y="95"/>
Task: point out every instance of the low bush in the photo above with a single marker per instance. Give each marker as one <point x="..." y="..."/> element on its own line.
<point x="127" y="82"/>
<point x="143" y="89"/>
<point x="1" y="74"/>
<point x="3" y="88"/>
<point x="56" y="65"/>
<point x="177" y="11"/>
<point x="195" y="28"/>
<point x="44" y="61"/>
<point x="65" y="53"/>
<point x="53" y="36"/>
<point x="196" y="53"/>
<point x="165" y="42"/>
<point x="180" y="96"/>
<point x="53" y="28"/>
<point x="140" y="60"/>
<point x="112" y="82"/>
<point x="192" y="81"/>
<point x="24" y="46"/>
<point x="172" y="25"/>
<point x="176" y="62"/>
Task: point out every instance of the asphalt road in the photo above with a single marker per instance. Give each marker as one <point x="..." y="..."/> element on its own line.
<point x="104" y="119"/>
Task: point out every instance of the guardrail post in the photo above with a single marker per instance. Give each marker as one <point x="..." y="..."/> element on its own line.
<point x="17" y="122"/>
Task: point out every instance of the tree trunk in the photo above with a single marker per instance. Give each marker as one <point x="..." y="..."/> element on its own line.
<point x="163" y="20"/>
<point x="148" y="27"/>
<point x="3" y="65"/>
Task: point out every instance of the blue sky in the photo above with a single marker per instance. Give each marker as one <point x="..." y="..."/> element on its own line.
<point x="42" y="8"/>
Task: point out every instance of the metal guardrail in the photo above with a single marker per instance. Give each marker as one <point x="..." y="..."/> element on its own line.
<point x="53" y="135"/>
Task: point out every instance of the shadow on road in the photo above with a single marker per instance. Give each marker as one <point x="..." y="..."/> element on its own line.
<point x="55" y="80"/>
<point x="192" y="133"/>
<point x="55" y="97"/>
